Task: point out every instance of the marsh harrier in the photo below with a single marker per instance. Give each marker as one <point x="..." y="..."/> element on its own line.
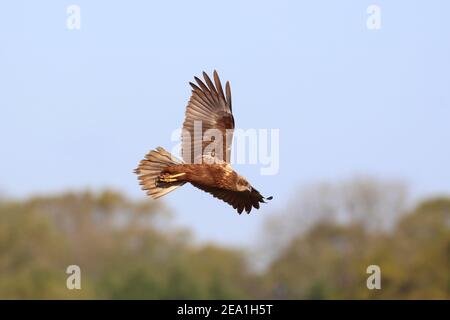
<point x="206" y="161"/>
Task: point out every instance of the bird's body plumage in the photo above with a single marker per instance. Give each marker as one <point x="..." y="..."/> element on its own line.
<point x="219" y="175"/>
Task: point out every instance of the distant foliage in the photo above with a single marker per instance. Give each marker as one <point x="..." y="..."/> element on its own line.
<point x="329" y="261"/>
<point x="125" y="250"/>
<point x="129" y="250"/>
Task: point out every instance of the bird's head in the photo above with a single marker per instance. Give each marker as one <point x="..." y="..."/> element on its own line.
<point x="243" y="185"/>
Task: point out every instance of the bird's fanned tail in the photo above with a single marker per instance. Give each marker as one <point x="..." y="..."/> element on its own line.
<point x="149" y="170"/>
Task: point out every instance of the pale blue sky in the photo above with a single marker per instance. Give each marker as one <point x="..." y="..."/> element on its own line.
<point x="80" y="108"/>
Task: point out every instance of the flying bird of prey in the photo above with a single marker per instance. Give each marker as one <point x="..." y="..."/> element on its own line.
<point x="206" y="168"/>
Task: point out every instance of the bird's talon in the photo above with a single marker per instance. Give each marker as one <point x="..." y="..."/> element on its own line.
<point x="170" y="178"/>
<point x="177" y="175"/>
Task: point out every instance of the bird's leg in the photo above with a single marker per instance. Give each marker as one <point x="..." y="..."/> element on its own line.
<point x="170" y="177"/>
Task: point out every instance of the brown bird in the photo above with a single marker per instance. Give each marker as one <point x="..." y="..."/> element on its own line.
<point x="206" y="162"/>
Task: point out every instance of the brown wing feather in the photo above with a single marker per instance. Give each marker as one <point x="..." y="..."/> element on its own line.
<point x="209" y="105"/>
<point x="238" y="200"/>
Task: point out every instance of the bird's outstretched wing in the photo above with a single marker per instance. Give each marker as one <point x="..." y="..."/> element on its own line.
<point x="209" y="108"/>
<point x="239" y="200"/>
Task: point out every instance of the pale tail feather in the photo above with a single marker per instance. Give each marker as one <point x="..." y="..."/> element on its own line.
<point x="149" y="169"/>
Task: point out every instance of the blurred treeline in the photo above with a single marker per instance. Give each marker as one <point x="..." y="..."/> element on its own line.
<point x="317" y="248"/>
